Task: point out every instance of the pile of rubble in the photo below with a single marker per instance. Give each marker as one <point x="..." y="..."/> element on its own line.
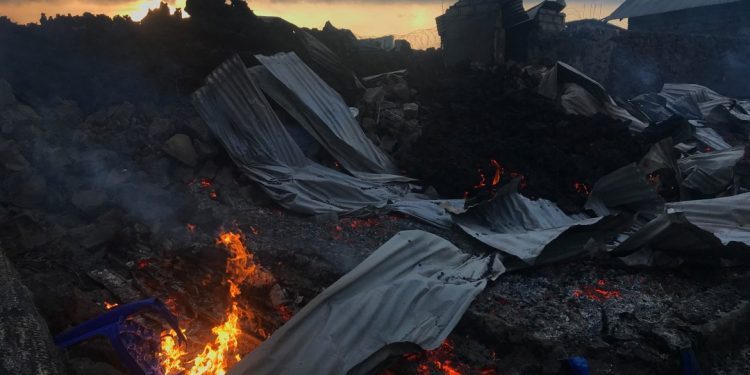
<point x="388" y="114"/>
<point x="645" y="200"/>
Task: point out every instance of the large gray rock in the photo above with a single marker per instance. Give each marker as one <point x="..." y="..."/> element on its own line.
<point x="11" y="158"/>
<point x="20" y="120"/>
<point x="411" y="110"/>
<point x="160" y="128"/>
<point x="401" y="91"/>
<point x="26" y="189"/>
<point x="374" y="95"/>
<point x="88" y="200"/>
<point x="181" y="148"/>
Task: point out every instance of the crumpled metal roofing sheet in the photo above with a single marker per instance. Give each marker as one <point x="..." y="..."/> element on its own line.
<point x="710" y="173"/>
<point x="697" y="228"/>
<point x="711" y="138"/>
<point x="237" y="112"/>
<point x="413" y="289"/>
<point x="625" y="188"/>
<point x="25" y="339"/>
<point x="522" y="227"/>
<point x="580" y="94"/>
<point x="636" y="8"/>
<point x="726" y="218"/>
<point x="323" y="113"/>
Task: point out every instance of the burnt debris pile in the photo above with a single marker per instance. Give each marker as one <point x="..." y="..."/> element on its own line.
<point x="470" y="120"/>
<point x="230" y="193"/>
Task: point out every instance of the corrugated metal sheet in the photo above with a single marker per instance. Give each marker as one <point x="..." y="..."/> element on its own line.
<point x="27" y="346"/>
<point x="711" y="138"/>
<point x="580" y="94"/>
<point x="625" y="188"/>
<point x="324" y="114"/>
<point x="636" y="8"/>
<point x="238" y="113"/>
<point x="555" y="5"/>
<point x="412" y="290"/>
<point x="525" y="228"/>
<point x="710" y="173"/>
<point x="707" y="229"/>
<point x="726" y="218"/>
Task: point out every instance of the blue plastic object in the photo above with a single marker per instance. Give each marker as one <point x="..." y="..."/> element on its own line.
<point x="688" y="363"/>
<point x="578" y="365"/>
<point x="126" y="336"/>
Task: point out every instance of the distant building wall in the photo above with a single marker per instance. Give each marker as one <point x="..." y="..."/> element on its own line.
<point x="723" y="19"/>
<point x="643" y="62"/>
<point x="473" y="31"/>
<point x="630" y="63"/>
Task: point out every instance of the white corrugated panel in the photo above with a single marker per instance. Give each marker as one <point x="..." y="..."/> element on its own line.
<point x="636" y="8"/>
<point x="523" y="227"/>
<point x="324" y="114"/>
<point x="237" y="112"/>
<point x="412" y="290"/>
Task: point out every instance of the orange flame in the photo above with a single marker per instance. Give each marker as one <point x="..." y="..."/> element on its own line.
<point x="171" y="354"/>
<point x="217" y="356"/>
<point x="499" y="170"/>
<point x="482" y="180"/>
<point x="110" y="306"/>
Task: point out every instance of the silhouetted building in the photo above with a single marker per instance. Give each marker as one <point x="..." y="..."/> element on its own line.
<point x="721" y="17"/>
<point x="474" y="30"/>
<point x="491" y="31"/>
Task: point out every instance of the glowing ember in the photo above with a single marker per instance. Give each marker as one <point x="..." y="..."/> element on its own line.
<point x="284" y="312"/>
<point x="143" y="263"/>
<point x="361" y="223"/>
<point x="205" y="183"/>
<point x="213" y="195"/>
<point x="190" y="228"/>
<point x="224" y="351"/>
<point x="438" y="361"/>
<point x="582" y="188"/>
<point x="597" y="292"/>
<point x="109" y="306"/>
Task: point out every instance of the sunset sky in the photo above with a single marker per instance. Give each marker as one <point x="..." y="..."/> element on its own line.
<point x="364" y="17"/>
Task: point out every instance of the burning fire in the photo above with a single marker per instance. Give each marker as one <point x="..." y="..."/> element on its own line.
<point x="496" y="178"/>
<point x="110" y="306"/>
<point x="498" y="172"/>
<point x="596" y="293"/>
<point x="217" y="356"/>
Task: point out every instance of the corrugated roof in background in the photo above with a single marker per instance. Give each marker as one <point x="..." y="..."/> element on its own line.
<point x="636" y="8"/>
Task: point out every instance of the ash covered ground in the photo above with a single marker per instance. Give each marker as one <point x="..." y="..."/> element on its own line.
<point x="114" y="189"/>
